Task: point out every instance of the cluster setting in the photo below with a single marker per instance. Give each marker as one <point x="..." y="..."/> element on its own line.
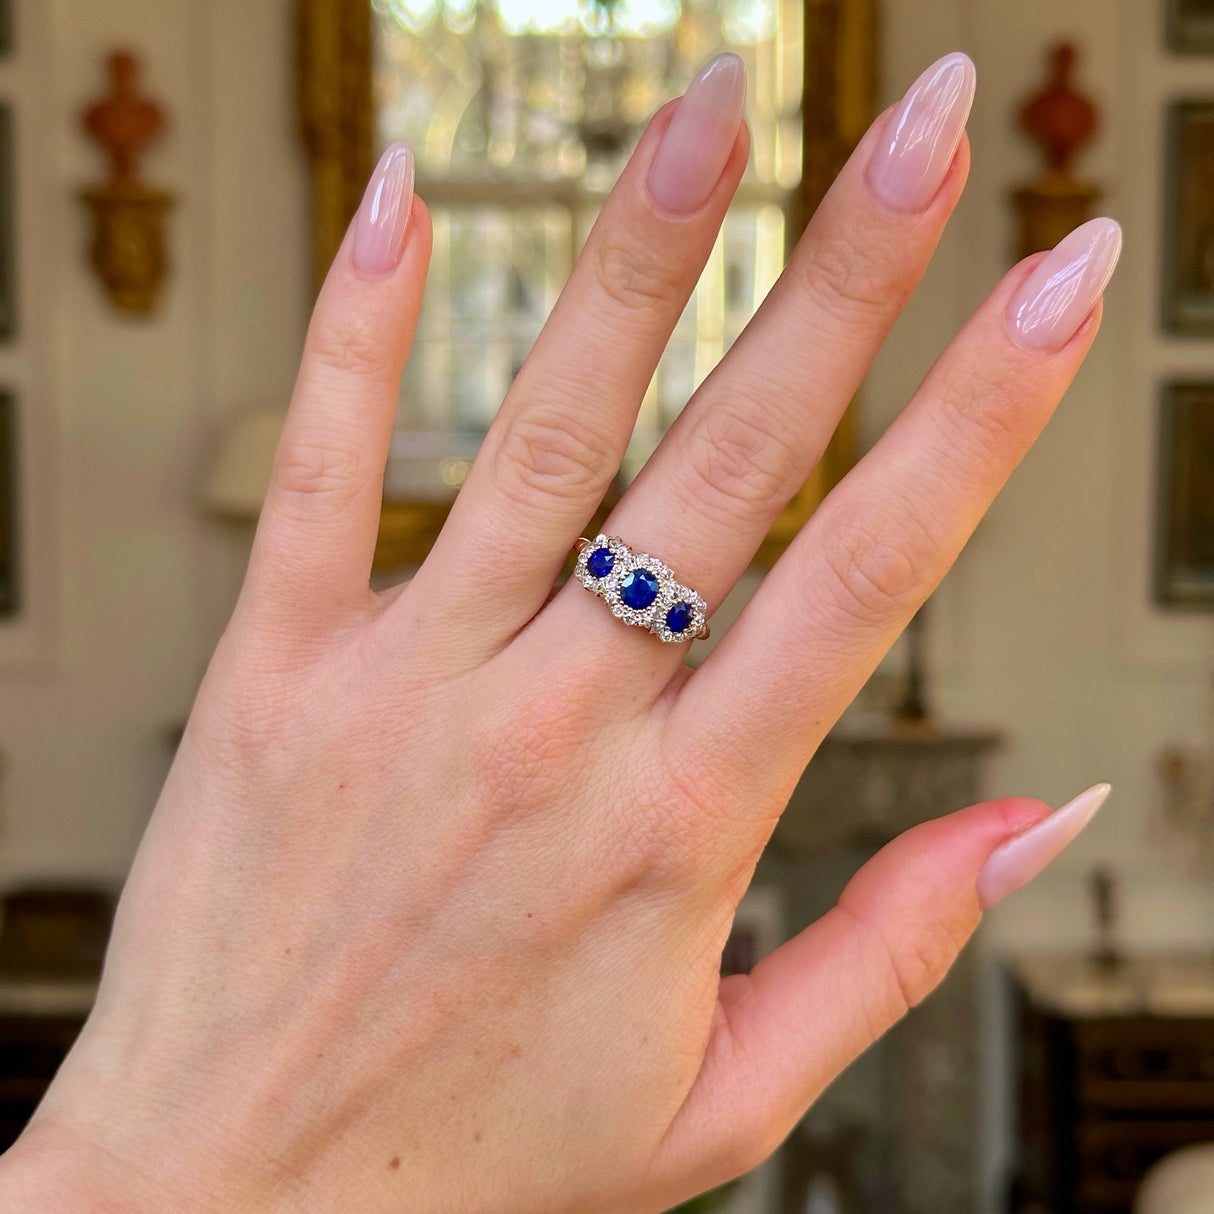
<point x="640" y="590"/>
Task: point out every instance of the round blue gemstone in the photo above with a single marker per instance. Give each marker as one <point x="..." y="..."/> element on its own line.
<point x="638" y="589"/>
<point x="678" y="617"/>
<point x="600" y="562"/>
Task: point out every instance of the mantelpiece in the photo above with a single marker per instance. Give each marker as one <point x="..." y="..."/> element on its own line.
<point x="903" y="1117"/>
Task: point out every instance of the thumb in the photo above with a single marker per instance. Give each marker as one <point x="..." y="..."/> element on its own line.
<point x="784" y="1031"/>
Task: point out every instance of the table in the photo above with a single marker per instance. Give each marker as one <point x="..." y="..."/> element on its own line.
<point x="1115" y="1070"/>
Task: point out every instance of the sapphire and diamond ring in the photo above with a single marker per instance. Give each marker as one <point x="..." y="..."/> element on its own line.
<point x="640" y="590"/>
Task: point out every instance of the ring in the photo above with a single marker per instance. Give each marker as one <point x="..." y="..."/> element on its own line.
<point x="640" y="590"/>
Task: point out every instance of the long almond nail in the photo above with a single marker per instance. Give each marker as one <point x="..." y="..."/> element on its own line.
<point x="379" y="227"/>
<point x="700" y="136"/>
<point x="922" y="134"/>
<point x="1021" y="858"/>
<point x="1048" y="310"/>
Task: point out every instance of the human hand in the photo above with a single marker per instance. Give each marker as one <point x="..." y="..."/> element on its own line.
<point x="430" y="913"/>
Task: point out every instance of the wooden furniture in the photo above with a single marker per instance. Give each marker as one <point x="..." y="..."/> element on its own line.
<point x="39" y="1020"/>
<point x="1116" y="1070"/>
<point x="51" y="947"/>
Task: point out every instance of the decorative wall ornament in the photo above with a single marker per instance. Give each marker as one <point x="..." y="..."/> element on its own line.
<point x="1061" y="121"/>
<point x="1186" y="774"/>
<point x="10" y="597"/>
<point x="8" y="219"/>
<point x="1184" y="546"/>
<point x="128" y="244"/>
<point x="1188" y="236"/>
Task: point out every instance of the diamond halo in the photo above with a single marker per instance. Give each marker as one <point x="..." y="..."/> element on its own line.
<point x="609" y="552"/>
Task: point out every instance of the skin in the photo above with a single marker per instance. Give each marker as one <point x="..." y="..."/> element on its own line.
<point x="430" y="912"/>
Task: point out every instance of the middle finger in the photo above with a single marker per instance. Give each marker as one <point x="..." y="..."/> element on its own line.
<point x="758" y="425"/>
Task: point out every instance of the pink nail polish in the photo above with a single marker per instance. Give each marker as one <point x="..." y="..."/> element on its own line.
<point x="700" y="136"/>
<point x="379" y="226"/>
<point x="1049" y="308"/>
<point x="1021" y="858"/>
<point x="921" y="135"/>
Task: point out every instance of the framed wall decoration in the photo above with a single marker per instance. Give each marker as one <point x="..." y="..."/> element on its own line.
<point x="1188" y="238"/>
<point x="8" y="299"/>
<point x="1184" y="545"/>
<point x="6" y="26"/>
<point x="1191" y="26"/>
<point x="10" y="599"/>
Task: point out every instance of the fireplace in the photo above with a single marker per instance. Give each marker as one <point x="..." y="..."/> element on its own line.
<point x="897" y="1133"/>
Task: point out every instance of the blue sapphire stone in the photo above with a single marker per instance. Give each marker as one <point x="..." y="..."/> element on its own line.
<point x="600" y="562"/>
<point x="678" y="617"/>
<point x="638" y="589"/>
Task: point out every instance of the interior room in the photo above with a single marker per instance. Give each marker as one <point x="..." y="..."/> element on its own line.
<point x="175" y="178"/>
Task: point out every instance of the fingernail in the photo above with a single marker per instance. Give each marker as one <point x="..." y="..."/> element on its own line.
<point x="921" y="135"/>
<point x="1020" y="859"/>
<point x="1048" y="310"/>
<point x="379" y="227"/>
<point x="700" y="137"/>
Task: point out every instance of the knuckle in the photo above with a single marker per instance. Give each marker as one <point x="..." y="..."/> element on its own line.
<point x="519" y="767"/>
<point x="350" y="348"/>
<point x="256" y="736"/>
<point x="739" y="457"/>
<point x="875" y="565"/>
<point x="984" y="419"/>
<point x="307" y="470"/>
<point x="635" y="278"/>
<point x="549" y="450"/>
<point x="666" y="835"/>
<point x="918" y="962"/>
<point x="249" y="728"/>
<point x="698" y="821"/>
<point x="843" y="274"/>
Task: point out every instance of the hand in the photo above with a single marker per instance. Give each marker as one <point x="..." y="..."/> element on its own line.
<point x="430" y="913"/>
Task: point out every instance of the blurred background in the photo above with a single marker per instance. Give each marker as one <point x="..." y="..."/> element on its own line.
<point x="175" y="176"/>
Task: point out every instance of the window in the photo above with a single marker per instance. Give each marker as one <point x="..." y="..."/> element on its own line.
<point x="521" y="114"/>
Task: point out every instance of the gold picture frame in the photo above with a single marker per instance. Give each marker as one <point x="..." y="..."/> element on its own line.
<point x="334" y="57"/>
<point x="1184" y="538"/>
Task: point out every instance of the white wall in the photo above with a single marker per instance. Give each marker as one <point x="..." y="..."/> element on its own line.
<point x="1045" y="629"/>
<point x="128" y="585"/>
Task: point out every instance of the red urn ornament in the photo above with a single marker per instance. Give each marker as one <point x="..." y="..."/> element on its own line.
<point x="128" y="244"/>
<point x="1061" y="121"/>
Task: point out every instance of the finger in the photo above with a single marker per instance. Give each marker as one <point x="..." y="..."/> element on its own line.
<point x="886" y="535"/>
<point x="758" y="425"/>
<point x="318" y="526"/>
<point x="784" y="1031"/>
<point x="564" y="426"/>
